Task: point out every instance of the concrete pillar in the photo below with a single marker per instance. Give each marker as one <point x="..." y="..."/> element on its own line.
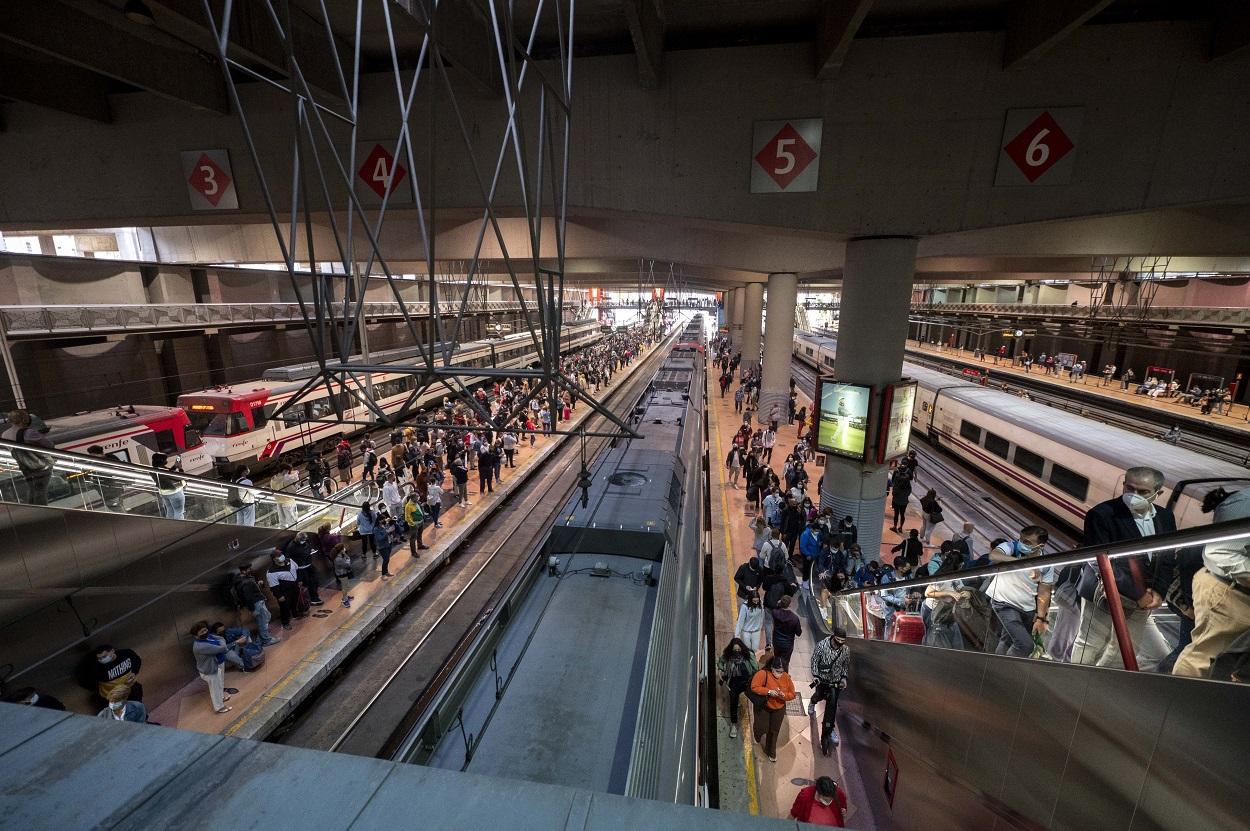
<point x="876" y="292"/>
<point x="752" y="323"/>
<point x="737" y="312"/>
<point x="783" y="293"/>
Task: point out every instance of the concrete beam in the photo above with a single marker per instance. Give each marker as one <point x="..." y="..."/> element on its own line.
<point x="839" y="21"/>
<point x="255" y="44"/>
<point x="81" y="39"/>
<point x="466" y="41"/>
<point x="1034" y="27"/>
<point x="33" y="78"/>
<point x="646" y="29"/>
<point x="1230" y="28"/>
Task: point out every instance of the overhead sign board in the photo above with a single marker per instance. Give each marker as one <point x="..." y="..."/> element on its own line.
<point x="210" y="181"/>
<point x="1039" y="146"/>
<point x="785" y="156"/>
<point x="380" y="173"/>
<point x="896" y="408"/>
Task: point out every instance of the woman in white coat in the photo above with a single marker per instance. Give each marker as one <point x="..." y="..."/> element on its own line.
<point x="750" y="626"/>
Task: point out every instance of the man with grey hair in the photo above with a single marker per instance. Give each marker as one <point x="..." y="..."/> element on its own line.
<point x="1142" y="579"/>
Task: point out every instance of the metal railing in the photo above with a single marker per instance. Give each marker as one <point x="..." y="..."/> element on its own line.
<point x="36" y="321"/>
<point x="56" y="479"/>
<point x="970" y="620"/>
<point x="1209" y="315"/>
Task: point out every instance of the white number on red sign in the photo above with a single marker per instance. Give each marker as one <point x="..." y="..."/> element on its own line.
<point x="1038" y="152"/>
<point x="783" y="153"/>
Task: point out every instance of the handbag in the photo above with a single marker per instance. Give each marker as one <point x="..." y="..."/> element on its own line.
<point x="936" y="517"/>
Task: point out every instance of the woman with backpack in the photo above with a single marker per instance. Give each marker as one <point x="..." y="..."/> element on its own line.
<point x="343" y="460"/>
<point x="344" y="573"/>
<point x="931" y="509"/>
<point x="365" y="520"/>
<point x="737" y="667"/>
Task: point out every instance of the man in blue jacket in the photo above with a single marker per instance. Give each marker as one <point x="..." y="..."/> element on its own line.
<point x="809" y="546"/>
<point x="1142" y="579"/>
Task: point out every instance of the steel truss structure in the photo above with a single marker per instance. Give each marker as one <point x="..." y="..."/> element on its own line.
<point x="319" y="155"/>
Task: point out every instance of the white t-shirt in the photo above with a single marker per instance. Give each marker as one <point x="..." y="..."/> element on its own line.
<point x="1018" y="589"/>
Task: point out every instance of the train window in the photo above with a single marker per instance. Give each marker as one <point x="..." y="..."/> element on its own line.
<point x="293" y="415"/>
<point x="996" y="444"/>
<point x="259" y="417"/>
<point x="970" y="431"/>
<point x="320" y="408"/>
<point x="236" y="425"/>
<point x="1070" y="482"/>
<point x="1029" y="461"/>
<point x="165" y="442"/>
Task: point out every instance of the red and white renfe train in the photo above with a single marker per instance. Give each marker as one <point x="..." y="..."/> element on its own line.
<point x="237" y="421"/>
<point x="133" y="434"/>
<point x="1060" y="461"/>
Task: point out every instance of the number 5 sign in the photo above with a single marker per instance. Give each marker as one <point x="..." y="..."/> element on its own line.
<point x="786" y="156"/>
<point x="1039" y="146"/>
<point x="210" y="182"/>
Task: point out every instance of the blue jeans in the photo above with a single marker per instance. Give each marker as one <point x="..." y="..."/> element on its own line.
<point x="246" y="515"/>
<point x="174" y="505"/>
<point x="261" y="613"/>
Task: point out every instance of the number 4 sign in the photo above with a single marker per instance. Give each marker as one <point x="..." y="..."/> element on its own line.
<point x="210" y="182"/>
<point x="1039" y="146"/>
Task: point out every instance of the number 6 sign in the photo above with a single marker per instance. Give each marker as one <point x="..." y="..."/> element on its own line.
<point x="786" y="156"/>
<point x="210" y="182"/>
<point x="1039" y="147"/>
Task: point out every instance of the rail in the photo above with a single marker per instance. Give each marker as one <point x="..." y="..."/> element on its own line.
<point x="41" y="321"/>
<point x="969" y="609"/>
<point x="1205" y="315"/>
<point x="57" y="479"/>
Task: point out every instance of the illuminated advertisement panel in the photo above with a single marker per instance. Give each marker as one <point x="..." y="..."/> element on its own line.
<point x="843" y="425"/>
<point x="896" y="409"/>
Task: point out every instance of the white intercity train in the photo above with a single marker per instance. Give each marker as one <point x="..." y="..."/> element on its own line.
<point x="1060" y="461"/>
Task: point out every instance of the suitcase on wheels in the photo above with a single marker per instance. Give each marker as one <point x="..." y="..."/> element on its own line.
<point x="908" y="628"/>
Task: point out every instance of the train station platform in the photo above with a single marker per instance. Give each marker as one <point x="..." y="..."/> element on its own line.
<point x="1236" y="417"/>
<point x="319" y="643"/>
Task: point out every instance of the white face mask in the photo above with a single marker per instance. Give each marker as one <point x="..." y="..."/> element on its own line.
<point x="117" y="706"/>
<point x="1136" y="503"/>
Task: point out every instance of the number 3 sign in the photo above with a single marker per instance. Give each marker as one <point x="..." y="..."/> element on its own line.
<point x="210" y="182"/>
<point x="1039" y="147"/>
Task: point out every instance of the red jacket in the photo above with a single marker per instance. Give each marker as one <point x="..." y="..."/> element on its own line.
<point x="802" y="807"/>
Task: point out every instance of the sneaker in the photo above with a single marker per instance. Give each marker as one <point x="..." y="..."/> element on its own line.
<point x="223" y="710"/>
<point x="347" y="604"/>
<point x="271" y="642"/>
<point x="386" y="576"/>
<point x="811" y="708"/>
<point x="733" y="731"/>
<point x="317" y="602"/>
<point x="833" y="735"/>
<point x="231" y="691"/>
<point x="438" y="525"/>
<point x="771" y="757"/>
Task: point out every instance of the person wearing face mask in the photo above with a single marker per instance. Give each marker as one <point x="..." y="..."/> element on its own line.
<point x="736" y="666"/>
<point x="283" y="580"/>
<point x="210" y="663"/>
<point x="1021" y="599"/>
<point x="300" y="550"/>
<point x="823" y="803"/>
<point x="831" y="664"/>
<point x="771" y="688"/>
<point x="1142" y="579"/>
<point x="118" y="669"/>
<point x="120" y="709"/>
<point x="750" y="626"/>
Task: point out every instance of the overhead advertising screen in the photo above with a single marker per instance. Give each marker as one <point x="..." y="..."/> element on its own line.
<point x="897" y="406"/>
<point x="843" y="426"/>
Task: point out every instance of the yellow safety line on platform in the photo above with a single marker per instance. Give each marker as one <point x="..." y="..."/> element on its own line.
<point x="753" y="799"/>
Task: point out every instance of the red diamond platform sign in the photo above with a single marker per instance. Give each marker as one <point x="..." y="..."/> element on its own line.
<point x="209" y="183"/>
<point x="785" y="156"/>
<point x="378" y="169"/>
<point x="1039" y="146"/>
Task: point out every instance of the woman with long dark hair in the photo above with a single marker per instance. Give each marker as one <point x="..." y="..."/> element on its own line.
<point x="737" y="667"/>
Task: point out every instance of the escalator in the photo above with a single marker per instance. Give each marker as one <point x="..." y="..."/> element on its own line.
<point x="949" y="738"/>
<point x="107" y="559"/>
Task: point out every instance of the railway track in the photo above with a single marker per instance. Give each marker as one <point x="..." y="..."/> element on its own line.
<point x="966" y="491"/>
<point x="371" y="702"/>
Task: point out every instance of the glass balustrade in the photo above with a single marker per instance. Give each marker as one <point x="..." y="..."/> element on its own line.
<point x="1168" y="603"/>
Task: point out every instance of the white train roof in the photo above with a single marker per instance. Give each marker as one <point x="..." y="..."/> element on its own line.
<point x="1088" y="436"/>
